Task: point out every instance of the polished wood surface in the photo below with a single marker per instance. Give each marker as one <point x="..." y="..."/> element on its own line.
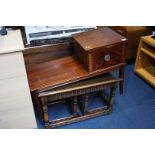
<point x="98" y="38"/>
<point x="51" y="66"/>
<point x="60" y="72"/>
<point x="81" y="55"/>
<point x="99" y="48"/>
<point x="98" y="57"/>
<point x="54" y="72"/>
<point x="36" y="55"/>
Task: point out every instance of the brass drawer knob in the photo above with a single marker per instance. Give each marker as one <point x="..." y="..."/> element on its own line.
<point x="107" y="57"/>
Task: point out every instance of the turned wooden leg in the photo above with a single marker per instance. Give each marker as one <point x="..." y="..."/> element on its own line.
<point x="85" y="104"/>
<point x="75" y="112"/>
<point x="45" y="112"/>
<point x="112" y="95"/>
<point x="121" y="75"/>
<point x="37" y="103"/>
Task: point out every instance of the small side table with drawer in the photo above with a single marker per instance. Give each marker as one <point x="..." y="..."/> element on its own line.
<point x="101" y="49"/>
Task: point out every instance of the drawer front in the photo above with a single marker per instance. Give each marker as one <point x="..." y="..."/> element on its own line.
<point x="12" y="65"/>
<point x="106" y="57"/>
<point x="16" y="108"/>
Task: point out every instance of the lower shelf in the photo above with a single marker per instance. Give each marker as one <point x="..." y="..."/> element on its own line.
<point x="148" y="73"/>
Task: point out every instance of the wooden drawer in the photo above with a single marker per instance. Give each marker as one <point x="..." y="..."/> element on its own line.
<point x="106" y="57"/>
<point x="16" y="109"/>
<point x="12" y="65"/>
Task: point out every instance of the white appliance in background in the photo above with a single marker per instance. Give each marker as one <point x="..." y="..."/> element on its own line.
<point x="37" y="33"/>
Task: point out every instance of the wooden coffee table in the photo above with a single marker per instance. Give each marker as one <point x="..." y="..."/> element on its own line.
<point x="74" y="91"/>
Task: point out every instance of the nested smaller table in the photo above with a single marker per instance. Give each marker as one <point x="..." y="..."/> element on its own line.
<point x="72" y="92"/>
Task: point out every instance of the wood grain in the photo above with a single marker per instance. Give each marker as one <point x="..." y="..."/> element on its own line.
<point x="46" y="53"/>
<point x="149" y="40"/>
<point x="148" y="73"/>
<point x="115" y="53"/>
<point x="98" y="38"/>
<point x="91" y="47"/>
<point x="145" y="61"/>
<point x="60" y="72"/>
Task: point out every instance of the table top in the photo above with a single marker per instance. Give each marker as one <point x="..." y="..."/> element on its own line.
<point x="60" y="72"/>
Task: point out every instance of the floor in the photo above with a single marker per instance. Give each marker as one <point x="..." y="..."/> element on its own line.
<point x="134" y="109"/>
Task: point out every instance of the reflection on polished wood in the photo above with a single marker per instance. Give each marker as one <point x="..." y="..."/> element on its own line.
<point x="59" y="72"/>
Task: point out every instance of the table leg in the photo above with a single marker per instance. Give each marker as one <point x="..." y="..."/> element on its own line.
<point x="75" y="113"/>
<point x="37" y="104"/>
<point x="85" y="104"/>
<point x="112" y="95"/>
<point x="45" y="112"/>
<point x="121" y="75"/>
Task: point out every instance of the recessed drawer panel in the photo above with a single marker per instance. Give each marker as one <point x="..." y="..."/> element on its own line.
<point x="12" y="65"/>
<point x="106" y="57"/>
